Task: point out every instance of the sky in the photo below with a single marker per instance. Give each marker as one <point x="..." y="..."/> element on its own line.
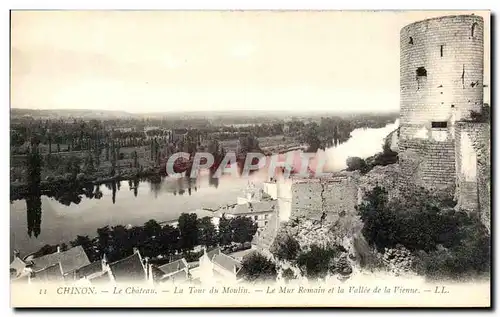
<point x="160" y="61"/>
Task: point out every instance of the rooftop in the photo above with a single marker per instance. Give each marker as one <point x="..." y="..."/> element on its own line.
<point x="51" y="273"/>
<point x="70" y="260"/>
<point x="89" y="269"/>
<point x="213" y="252"/>
<point x="17" y="264"/>
<point x="180" y="276"/>
<point x="102" y="278"/>
<point x="227" y="262"/>
<point x="173" y="267"/>
<point x="128" y="269"/>
<point x="241" y="254"/>
<point x="262" y="206"/>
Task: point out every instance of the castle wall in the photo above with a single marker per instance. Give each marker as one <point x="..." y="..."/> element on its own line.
<point x="325" y="199"/>
<point x="428" y="163"/>
<point x="473" y="168"/>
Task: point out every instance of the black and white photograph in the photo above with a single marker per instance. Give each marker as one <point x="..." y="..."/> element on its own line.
<point x="250" y="158"/>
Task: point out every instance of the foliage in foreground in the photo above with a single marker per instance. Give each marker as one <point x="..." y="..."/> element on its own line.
<point x="285" y="247"/>
<point x="320" y="261"/>
<point x="447" y="243"/>
<point x="257" y="267"/>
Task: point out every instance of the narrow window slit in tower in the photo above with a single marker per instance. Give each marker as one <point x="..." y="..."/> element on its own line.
<point x="473" y="29"/>
<point x="442" y="46"/>
<point x="463" y="76"/>
<point x="421" y="72"/>
<point x="439" y="124"/>
<point x="421" y="75"/>
<point x="411" y="40"/>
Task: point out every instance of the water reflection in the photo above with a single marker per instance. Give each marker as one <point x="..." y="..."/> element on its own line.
<point x="67" y="195"/>
<point x="34" y="215"/>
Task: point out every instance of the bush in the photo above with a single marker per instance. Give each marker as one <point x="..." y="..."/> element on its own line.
<point x="468" y="259"/>
<point x="447" y="242"/>
<point x="418" y="222"/>
<point x="257" y="267"/>
<point x="319" y="261"/>
<point x="356" y="164"/>
<point x="483" y="115"/>
<point x="285" y="248"/>
<point x="288" y="274"/>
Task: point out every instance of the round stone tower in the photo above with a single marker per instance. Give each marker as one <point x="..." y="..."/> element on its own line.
<point x="441" y="82"/>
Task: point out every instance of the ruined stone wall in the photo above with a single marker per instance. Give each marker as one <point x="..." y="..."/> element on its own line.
<point x="324" y="198"/>
<point x="428" y="163"/>
<point x="473" y="168"/>
<point x="441" y="72"/>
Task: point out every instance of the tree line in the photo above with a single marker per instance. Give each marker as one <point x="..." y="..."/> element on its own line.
<point x="158" y="241"/>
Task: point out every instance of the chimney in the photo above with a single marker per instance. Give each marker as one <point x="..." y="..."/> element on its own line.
<point x="146" y="267"/>
<point x="150" y="272"/>
<point x="135" y="250"/>
<point x="58" y="249"/>
<point x="104" y="262"/>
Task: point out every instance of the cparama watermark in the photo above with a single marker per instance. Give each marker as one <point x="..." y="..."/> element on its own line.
<point x="252" y="162"/>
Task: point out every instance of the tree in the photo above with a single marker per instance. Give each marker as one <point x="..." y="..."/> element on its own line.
<point x="73" y="166"/>
<point x="285" y="248"/>
<point x="46" y="249"/>
<point x="134" y="157"/>
<point x="257" y="267"/>
<point x="188" y="229"/>
<point x="288" y="274"/>
<point x="16" y="139"/>
<point x="104" y="238"/>
<point x="152" y="228"/>
<point x="207" y="232"/>
<point x="417" y="219"/>
<point x="311" y="137"/>
<point x="319" y="261"/>
<point x="120" y="244"/>
<point x="33" y="199"/>
<point x="225" y="235"/>
<point x="89" y="164"/>
<point x="356" y="164"/>
<point x="243" y="229"/>
<point x="169" y="238"/>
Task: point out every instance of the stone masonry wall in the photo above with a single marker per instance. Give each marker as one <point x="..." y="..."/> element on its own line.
<point x="324" y="198"/>
<point x="473" y="168"/>
<point x="428" y="163"/>
<point x="441" y="71"/>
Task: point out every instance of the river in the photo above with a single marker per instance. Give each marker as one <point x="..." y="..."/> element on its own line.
<point x="163" y="201"/>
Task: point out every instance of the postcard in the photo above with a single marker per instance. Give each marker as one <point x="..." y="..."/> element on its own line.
<point x="250" y="159"/>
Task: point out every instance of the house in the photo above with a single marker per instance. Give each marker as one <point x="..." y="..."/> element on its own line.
<point x="70" y="260"/>
<point x="216" y="266"/>
<point x="91" y="270"/>
<point x="240" y="256"/>
<point x="129" y="270"/>
<point x="176" y="272"/>
<point x="50" y="274"/>
<point x="17" y="266"/>
<point x="59" y="266"/>
<point x="260" y="212"/>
